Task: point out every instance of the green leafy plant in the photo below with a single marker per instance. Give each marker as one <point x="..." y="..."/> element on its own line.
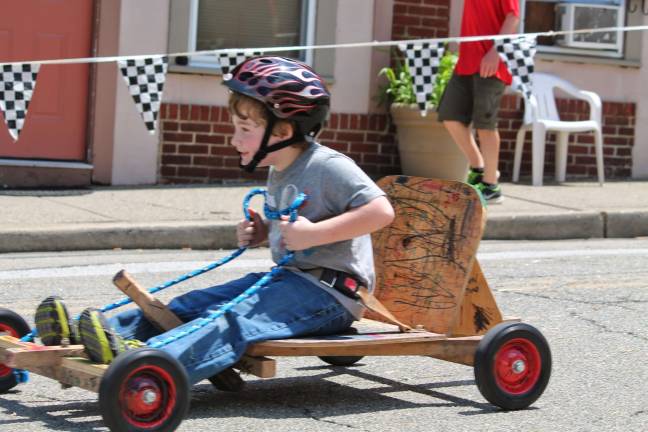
<point x="400" y="89"/>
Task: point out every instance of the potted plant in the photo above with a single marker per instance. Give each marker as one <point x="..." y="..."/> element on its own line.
<point x="425" y="147"/>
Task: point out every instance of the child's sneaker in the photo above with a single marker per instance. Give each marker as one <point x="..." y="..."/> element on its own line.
<point x="475" y="176"/>
<point x="492" y="193"/>
<point x="53" y="323"/>
<point x="102" y="343"/>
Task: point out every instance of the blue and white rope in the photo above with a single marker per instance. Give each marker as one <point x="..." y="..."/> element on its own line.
<point x="200" y="323"/>
<point x="270" y="214"/>
<point x="123" y="302"/>
<point x="112" y="306"/>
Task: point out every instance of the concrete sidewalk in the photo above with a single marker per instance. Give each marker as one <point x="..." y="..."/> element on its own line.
<point x="203" y="217"/>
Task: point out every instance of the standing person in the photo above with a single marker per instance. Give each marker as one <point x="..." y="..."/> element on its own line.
<point x="474" y="92"/>
<point x="277" y="106"/>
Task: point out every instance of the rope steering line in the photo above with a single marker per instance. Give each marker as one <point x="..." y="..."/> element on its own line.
<point x="270" y="214"/>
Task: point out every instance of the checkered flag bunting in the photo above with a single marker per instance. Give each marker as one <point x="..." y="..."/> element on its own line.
<point x="423" y="60"/>
<point x="145" y="79"/>
<point x="229" y="60"/>
<point x="518" y="55"/>
<point x="17" y="83"/>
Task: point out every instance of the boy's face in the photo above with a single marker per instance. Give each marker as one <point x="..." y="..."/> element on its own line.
<point x="248" y="134"/>
<point x="247" y="138"/>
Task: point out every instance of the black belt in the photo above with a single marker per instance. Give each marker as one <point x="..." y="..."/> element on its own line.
<point x="350" y="286"/>
<point x="343" y="282"/>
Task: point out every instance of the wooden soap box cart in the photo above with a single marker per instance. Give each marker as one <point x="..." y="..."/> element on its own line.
<point x="427" y="276"/>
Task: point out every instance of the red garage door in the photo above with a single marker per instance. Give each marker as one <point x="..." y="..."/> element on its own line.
<point x="55" y="127"/>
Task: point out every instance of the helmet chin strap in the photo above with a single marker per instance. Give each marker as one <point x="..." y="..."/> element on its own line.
<point x="264" y="149"/>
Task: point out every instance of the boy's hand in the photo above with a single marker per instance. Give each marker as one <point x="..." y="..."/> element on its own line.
<point x="490" y="63"/>
<point x="298" y="235"/>
<point x="251" y="233"/>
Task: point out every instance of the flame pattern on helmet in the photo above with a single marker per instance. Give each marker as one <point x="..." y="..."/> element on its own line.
<point x="288" y="88"/>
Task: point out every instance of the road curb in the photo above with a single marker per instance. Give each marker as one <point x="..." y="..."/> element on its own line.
<point x="626" y="223"/>
<point x="222" y="235"/>
<point x="545" y="227"/>
<point x="195" y="235"/>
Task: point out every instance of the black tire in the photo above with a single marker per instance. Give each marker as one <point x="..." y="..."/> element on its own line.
<point x="228" y="380"/>
<point x="512" y="365"/>
<point x="140" y="373"/>
<point x="14" y="325"/>
<point x="341" y="360"/>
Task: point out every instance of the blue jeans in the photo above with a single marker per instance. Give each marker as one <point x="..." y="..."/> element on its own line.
<point x="289" y="306"/>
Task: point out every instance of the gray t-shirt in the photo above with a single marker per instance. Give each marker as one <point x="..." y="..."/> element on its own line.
<point x="334" y="184"/>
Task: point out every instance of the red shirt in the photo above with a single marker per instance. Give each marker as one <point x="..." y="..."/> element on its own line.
<point x="480" y="18"/>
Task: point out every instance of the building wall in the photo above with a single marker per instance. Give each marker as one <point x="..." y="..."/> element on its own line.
<point x="195" y="140"/>
<point x="124" y="152"/>
<point x="194" y="145"/>
<point x="136" y="152"/>
<point x="417" y="19"/>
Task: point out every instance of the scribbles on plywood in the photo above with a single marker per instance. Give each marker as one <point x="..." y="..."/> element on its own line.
<point x="424" y="256"/>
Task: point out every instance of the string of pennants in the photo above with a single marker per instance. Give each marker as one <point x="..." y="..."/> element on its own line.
<point x="423" y="60"/>
<point x="144" y="77"/>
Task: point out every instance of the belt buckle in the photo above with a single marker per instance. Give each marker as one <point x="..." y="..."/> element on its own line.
<point x="329" y="284"/>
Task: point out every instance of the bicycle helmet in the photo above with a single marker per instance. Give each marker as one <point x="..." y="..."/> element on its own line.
<point x="289" y="90"/>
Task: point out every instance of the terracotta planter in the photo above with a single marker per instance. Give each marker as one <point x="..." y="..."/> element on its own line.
<point x="425" y="146"/>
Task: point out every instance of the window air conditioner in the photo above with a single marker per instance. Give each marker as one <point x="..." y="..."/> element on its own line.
<point x="578" y="16"/>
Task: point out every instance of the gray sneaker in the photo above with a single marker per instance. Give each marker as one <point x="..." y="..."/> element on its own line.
<point x="492" y="193"/>
<point x="101" y="342"/>
<point x="53" y="323"/>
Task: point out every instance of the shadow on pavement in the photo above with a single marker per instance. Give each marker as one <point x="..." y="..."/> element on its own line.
<point x="314" y="396"/>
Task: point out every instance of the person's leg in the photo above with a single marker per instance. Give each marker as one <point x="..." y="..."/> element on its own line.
<point x="455" y="111"/>
<point x="104" y="339"/>
<point x="132" y="324"/>
<point x="488" y="94"/>
<point x="288" y="306"/>
<point x="490" y="146"/>
<point x="462" y="136"/>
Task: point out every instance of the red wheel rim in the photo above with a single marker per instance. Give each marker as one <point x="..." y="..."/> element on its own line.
<point x="148" y="396"/>
<point x="517" y="366"/>
<point x="4" y="328"/>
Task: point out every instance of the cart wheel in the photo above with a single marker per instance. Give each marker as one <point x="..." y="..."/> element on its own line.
<point x="228" y="380"/>
<point x="512" y="365"/>
<point x="341" y="360"/>
<point x="14" y="325"/>
<point x="144" y="390"/>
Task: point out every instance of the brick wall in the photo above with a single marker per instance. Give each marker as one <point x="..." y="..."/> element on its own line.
<point x="195" y="144"/>
<point x="417" y="19"/>
<point x="618" y="140"/>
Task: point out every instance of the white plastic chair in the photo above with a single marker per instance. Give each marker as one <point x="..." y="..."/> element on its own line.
<point x="541" y="116"/>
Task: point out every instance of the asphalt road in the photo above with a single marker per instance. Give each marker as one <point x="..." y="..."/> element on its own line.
<point x="589" y="299"/>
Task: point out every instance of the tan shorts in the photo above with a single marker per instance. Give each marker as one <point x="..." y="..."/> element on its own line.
<point x="472" y="99"/>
